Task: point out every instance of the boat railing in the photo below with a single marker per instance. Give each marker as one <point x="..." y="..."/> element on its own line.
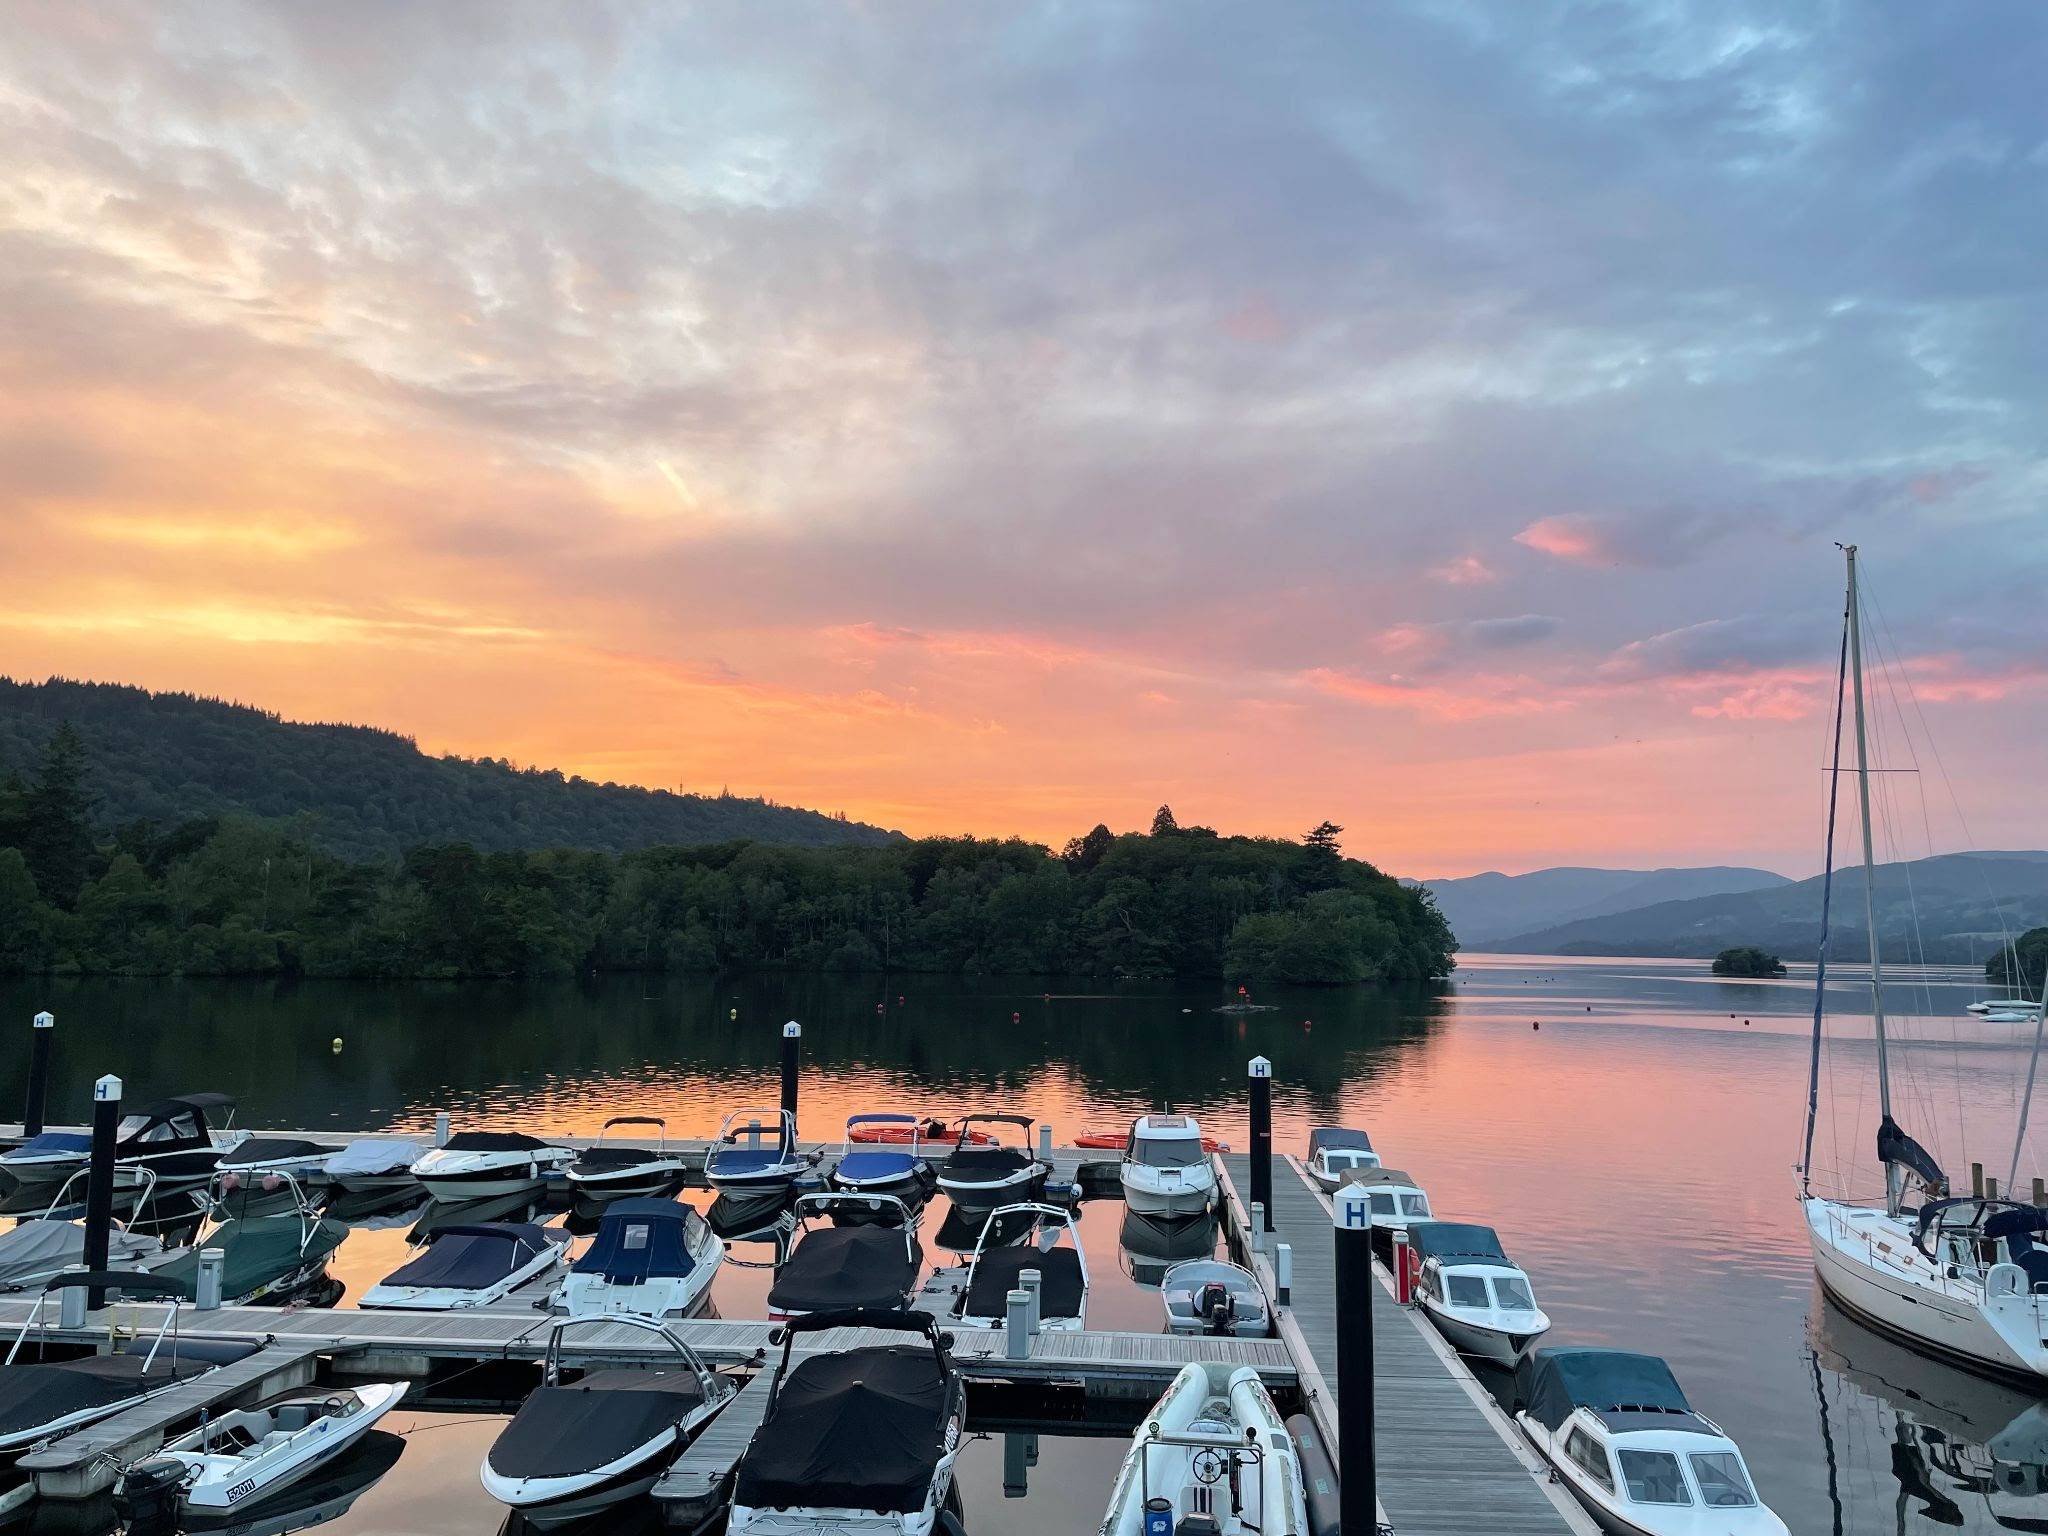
<point x="551" y="1361"/>
<point x="133" y="1175"/>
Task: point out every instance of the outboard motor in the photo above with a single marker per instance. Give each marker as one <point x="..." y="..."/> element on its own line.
<point x="150" y="1496"/>
<point x="1214" y="1306"/>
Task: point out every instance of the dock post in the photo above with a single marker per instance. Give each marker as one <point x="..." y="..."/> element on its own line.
<point x="792" y="1039"/>
<point x="2040" y="1194"/>
<point x="1404" y="1285"/>
<point x="212" y="1261"/>
<point x="441" y="1128"/>
<point x="1261" y="1071"/>
<point x="1017" y="1334"/>
<point x="99" y="1181"/>
<point x="38" y="1073"/>
<point x="1258" y="1227"/>
<point x="1045" y="1144"/>
<point x="1977" y="1180"/>
<point x="71" y="1309"/>
<point x="1357" y="1476"/>
<point x="1991" y="1189"/>
<point x="1033" y="1281"/>
<point x="1283" y="1274"/>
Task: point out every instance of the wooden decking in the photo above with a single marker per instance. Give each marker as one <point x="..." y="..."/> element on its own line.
<point x="697" y="1482"/>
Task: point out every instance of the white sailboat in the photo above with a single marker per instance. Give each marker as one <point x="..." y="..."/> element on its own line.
<point x="1958" y="1277"/>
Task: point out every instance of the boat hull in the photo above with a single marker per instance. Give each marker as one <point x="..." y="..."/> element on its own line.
<point x="984" y="1194"/>
<point x="1184" y="1200"/>
<point x="1495" y="1344"/>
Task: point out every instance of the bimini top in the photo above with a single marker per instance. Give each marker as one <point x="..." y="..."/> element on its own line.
<point x="1627" y="1391"/>
<point x="471" y="1258"/>
<point x="493" y="1141"/>
<point x="1457" y="1242"/>
<point x="163" y="1109"/>
<point x="1334" y="1138"/>
<point x="863" y="1429"/>
<point x="638" y="1240"/>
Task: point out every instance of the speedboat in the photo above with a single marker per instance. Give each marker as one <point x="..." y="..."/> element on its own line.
<point x="267" y="1259"/>
<point x="577" y="1447"/>
<point x="155" y="1506"/>
<point x="259" y="1157"/>
<point x="40" y="1248"/>
<point x="756" y="1152"/>
<point x="981" y="1172"/>
<point x="1477" y="1296"/>
<point x="871" y="1263"/>
<point x="46" y="1159"/>
<point x="1336" y="1155"/>
<point x="1016" y="1238"/>
<point x="1209" y="1296"/>
<point x="651" y="1258"/>
<point x="1618" y="1432"/>
<point x="172" y="1138"/>
<point x="1165" y="1171"/>
<point x="604" y="1172"/>
<point x="374" y="1165"/>
<point x="246" y="1453"/>
<point x="481" y="1165"/>
<point x="1213" y="1456"/>
<point x="42" y="1399"/>
<point x="470" y="1266"/>
<point x="859" y="1441"/>
<point x="900" y="1170"/>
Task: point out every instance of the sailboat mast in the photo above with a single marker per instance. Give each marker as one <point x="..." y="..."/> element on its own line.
<point x="1884" y="1076"/>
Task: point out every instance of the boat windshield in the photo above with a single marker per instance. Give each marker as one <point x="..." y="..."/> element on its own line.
<point x="1511" y="1292"/>
<point x="1382" y="1205"/>
<point x="1466" y="1290"/>
<point x="1167" y="1152"/>
<point x="1723" y="1484"/>
<point x="1653" y="1477"/>
<point x="1337" y="1161"/>
<point x="178" y="1128"/>
<point x="1418" y="1204"/>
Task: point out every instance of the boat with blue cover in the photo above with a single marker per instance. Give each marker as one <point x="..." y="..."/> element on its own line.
<point x="756" y="1151"/>
<point x="898" y="1169"/>
<point x="652" y="1258"/>
<point x="470" y="1266"/>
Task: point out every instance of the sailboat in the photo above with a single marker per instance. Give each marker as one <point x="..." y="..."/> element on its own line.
<point x="1962" y="1277"/>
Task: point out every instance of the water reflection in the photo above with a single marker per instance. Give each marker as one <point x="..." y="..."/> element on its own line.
<point x="1151" y="1245"/>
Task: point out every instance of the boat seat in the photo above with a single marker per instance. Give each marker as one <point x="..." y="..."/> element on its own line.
<point x="1198" y="1525"/>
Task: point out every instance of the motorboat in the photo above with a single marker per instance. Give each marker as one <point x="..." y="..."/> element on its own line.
<point x="155" y="1506"/>
<point x="1392" y="1197"/>
<point x="41" y="1399"/>
<point x="243" y="1454"/>
<point x="2007" y="1009"/>
<point x="1214" y="1298"/>
<point x="470" y="1266"/>
<point x="173" y="1138"/>
<point x="756" y="1152"/>
<point x="1212" y="1457"/>
<point x="40" y="1248"/>
<point x="266" y="1259"/>
<point x="856" y="1441"/>
<point x="981" y="1172"/>
<point x="1337" y="1154"/>
<point x="609" y="1171"/>
<point x="482" y="1165"/>
<point x="45" y="1159"/>
<point x="1477" y="1297"/>
<point x="261" y="1157"/>
<point x="652" y="1257"/>
<point x="899" y="1169"/>
<point x="1014" y="1239"/>
<point x="1165" y="1172"/>
<point x="576" y="1447"/>
<point x="1619" y="1433"/>
<point x="374" y="1165"/>
<point x="871" y="1262"/>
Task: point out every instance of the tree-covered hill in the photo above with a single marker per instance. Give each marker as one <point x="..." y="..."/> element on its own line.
<point x="363" y="793"/>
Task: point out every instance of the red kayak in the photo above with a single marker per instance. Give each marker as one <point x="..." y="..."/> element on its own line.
<point x="1102" y="1141"/>
<point x="937" y="1131"/>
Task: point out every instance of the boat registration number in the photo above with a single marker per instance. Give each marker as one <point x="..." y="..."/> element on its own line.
<point x="242" y="1489"/>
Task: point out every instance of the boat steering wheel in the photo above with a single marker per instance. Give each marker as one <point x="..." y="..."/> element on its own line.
<point x="1208" y="1466"/>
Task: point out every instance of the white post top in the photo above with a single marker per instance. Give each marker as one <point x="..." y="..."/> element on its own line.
<point x="46" y="1020"/>
<point x="1259" y="1067"/>
<point x="108" y="1087"/>
<point x="791" y="1030"/>
<point x="1351" y="1208"/>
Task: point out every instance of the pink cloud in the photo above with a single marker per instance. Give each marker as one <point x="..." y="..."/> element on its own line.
<point x="1570" y="537"/>
<point x="1465" y="571"/>
<point x="1476" y="698"/>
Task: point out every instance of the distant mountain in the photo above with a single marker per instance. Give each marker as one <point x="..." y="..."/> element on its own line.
<point x="169" y="757"/>
<point x="1489" y="906"/>
<point x="1945" y="908"/>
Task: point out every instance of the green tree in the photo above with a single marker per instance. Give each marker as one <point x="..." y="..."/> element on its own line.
<point x="23" y="917"/>
<point x="2022" y="965"/>
<point x="1322" y="838"/>
<point x="1082" y="854"/>
<point x="1747" y="960"/>
<point x="1163" y="824"/>
<point x="56" y="830"/>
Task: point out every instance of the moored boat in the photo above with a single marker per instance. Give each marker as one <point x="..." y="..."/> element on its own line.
<point x="244" y="1454"/>
<point x="981" y="1171"/>
<point x="373" y="1165"/>
<point x="609" y="1171"/>
<point x="470" y="1266"/>
<point x="899" y="1168"/>
<point x="1015" y="1239"/>
<point x="1213" y="1457"/>
<point x="1477" y="1297"/>
<point x="1336" y="1155"/>
<point x="1165" y="1172"/>
<point x="871" y="1263"/>
<point x="652" y="1258"/>
<point x="1214" y="1298"/>
<point x="484" y="1165"/>
<point x="756" y="1153"/>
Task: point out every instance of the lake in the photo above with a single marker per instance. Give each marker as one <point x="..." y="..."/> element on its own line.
<point x="1636" y="1153"/>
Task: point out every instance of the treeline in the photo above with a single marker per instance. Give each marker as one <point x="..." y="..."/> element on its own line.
<point x="229" y="896"/>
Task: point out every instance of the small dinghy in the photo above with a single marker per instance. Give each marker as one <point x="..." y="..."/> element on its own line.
<point x="577" y="1447"/>
<point x="756" y="1153"/>
<point x="899" y="1169"/>
<point x="374" y="1165"/>
<point x="651" y="1258"/>
<point x="246" y="1453"/>
<point x="871" y="1264"/>
<point x="862" y="1441"/>
<point x="1336" y="1155"/>
<point x="485" y="1165"/>
<point x="1208" y="1296"/>
<point x="1477" y="1296"/>
<point x="1016" y="1238"/>
<point x="470" y="1266"/>
<point x="1165" y="1172"/>
<point x="1619" y="1433"/>
<point x="981" y="1172"/>
<point x="1212" y="1457"/>
<point x="615" y="1172"/>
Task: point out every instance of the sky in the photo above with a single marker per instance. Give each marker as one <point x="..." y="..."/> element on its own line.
<point x="1434" y="417"/>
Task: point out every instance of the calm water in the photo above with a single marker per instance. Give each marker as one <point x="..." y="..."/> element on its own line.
<point x="1636" y="1153"/>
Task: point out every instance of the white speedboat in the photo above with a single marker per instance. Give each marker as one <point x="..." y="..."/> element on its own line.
<point x="1212" y="1456"/>
<point x="484" y="1165"/>
<point x="472" y="1266"/>
<point x="982" y="1172"/>
<point x="1014" y="1239"/>
<point x="1209" y="1296"/>
<point x="1165" y="1172"/>
<point x="1618" y="1432"/>
<point x="612" y="1172"/>
<point x="652" y="1258"/>
<point x="1337" y="1154"/>
<point x="898" y="1167"/>
<point x="1477" y="1296"/>
<point x="374" y="1165"/>
<point x="243" y="1454"/>
<point x="756" y="1153"/>
<point x="1393" y="1198"/>
<point x="870" y="1262"/>
<point x="857" y="1443"/>
<point x="577" y="1447"/>
<point x="261" y="1157"/>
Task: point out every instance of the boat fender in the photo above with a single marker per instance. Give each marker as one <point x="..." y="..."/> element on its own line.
<point x="1318" y="1478"/>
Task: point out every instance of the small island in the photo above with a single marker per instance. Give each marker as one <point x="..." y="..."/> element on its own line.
<point x="1746" y="960"/>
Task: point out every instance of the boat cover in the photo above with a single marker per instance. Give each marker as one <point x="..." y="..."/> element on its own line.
<point x="1332" y="1138"/>
<point x="613" y="1159"/>
<point x="274" y="1149"/>
<point x="200" y="1103"/>
<point x="638" y="1240"/>
<point x="565" y="1430"/>
<point x="471" y="1258"/>
<point x="999" y="1271"/>
<point x="835" y="1267"/>
<point x="37" y="1247"/>
<point x="1551" y="1383"/>
<point x="257" y="1251"/>
<point x="368" y="1158"/>
<point x="1456" y="1240"/>
<point x="1380" y="1178"/>
<point x="863" y="1430"/>
<point x="494" y="1141"/>
<point x="53" y="1141"/>
<point x="985" y="1165"/>
<point x="1895" y="1146"/>
<point x="37" y="1393"/>
<point x="878" y="1165"/>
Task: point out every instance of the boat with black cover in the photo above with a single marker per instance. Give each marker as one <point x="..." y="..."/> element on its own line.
<point x="861" y="1440"/>
<point x="1017" y="1238"/>
<point x="611" y="1171"/>
<point x="470" y="1266"/>
<point x="484" y="1165"/>
<point x="577" y="1447"/>
<point x="981" y="1171"/>
<point x="652" y="1258"/>
<point x="871" y="1263"/>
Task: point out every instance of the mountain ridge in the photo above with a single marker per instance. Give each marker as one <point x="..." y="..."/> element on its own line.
<point x="1493" y="905"/>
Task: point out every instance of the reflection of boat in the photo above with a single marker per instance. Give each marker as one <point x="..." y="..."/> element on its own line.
<point x="871" y="1264"/>
<point x="1165" y="1172"/>
<point x="1014" y="1239"/>
<point x="1208" y="1296"/>
<point x="1337" y="1154"/>
<point x="1151" y="1244"/>
<point x="756" y="1153"/>
<point x="472" y="1266"/>
<point x="653" y="1258"/>
<point x="1476" y="1295"/>
<point x="246" y="1453"/>
<point x="483" y="1165"/>
<point x="325" y="1494"/>
<point x="611" y="1172"/>
<point x="903" y="1172"/>
<point x="761" y="1216"/>
<point x="981" y="1172"/>
<point x="1213" y="1455"/>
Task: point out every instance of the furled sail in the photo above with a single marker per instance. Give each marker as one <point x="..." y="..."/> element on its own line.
<point x="1900" y="1152"/>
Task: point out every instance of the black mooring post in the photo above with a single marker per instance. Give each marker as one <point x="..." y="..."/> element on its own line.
<point x="1261" y="1071"/>
<point x="38" y="1073"/>
<point x="1357" y="1479"/>
<point x="99" y="1181"/>
<point x="792" y="1037"/>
